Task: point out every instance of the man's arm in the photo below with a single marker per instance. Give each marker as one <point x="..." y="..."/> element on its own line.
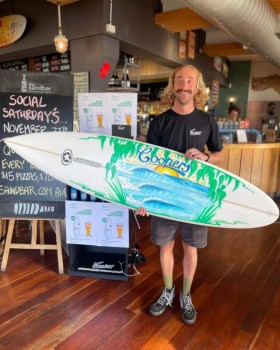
<point x="210" y="157"/>
<point x="216" y="158"/>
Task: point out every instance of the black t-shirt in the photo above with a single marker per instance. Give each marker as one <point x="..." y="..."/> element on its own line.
<point x="181" y="132"/>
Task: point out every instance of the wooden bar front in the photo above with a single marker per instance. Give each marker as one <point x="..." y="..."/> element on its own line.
<point x="258" y="163"/>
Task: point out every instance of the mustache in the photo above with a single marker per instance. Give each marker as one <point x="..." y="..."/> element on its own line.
<point x="183" y="90"/>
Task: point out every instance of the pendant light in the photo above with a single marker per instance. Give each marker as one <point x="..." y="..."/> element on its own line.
<point x="61" y="42"/>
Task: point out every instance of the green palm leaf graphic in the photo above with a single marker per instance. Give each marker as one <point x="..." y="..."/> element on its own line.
<point x="215" y="179"/>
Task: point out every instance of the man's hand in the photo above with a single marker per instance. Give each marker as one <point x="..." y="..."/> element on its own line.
<point x="194" y="153"/>
<point x="141" y="211"/>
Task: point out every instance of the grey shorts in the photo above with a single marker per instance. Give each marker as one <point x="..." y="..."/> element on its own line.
<point x="164" y="231"/>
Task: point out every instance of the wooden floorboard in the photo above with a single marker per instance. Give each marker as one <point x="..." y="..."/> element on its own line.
<point x="236" y="292"/>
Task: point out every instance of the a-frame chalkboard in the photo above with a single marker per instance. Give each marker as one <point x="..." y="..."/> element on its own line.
<point x="32" y="102"/>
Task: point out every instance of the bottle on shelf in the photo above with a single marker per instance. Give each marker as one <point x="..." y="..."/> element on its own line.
<point x="123" y="83"/>
<point x="112" y="81"/>
<point x="127" y="79"/>
<point x="83" y="196"/>
<point x="117" y="79"/>
<point x="74" y="194"/>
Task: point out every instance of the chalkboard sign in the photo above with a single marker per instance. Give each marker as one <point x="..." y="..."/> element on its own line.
<point x="30" y="103"/>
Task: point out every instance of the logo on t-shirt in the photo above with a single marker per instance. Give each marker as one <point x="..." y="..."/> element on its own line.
<point x="194" y="133"/>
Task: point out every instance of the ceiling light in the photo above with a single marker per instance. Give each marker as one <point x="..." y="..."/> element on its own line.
<point x="61" y="42"/>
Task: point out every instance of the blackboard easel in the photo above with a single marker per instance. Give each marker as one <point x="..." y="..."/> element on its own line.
<point x="32" y="102"/>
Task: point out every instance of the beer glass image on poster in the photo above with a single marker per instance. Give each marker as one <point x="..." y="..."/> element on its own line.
<point x="128" y="118"/>
<point x="119" y="230"/>
<point x="88" y="227"/>
<point x="99" y="117"/>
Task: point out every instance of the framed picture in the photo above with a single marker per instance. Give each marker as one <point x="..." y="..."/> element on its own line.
<point x="191" y="44"/>
<point x="218" y="63"/>
<point x="182" y="49"/>
<point x="225" y="69"/>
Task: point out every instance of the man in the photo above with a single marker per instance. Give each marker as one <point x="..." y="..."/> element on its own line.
<point x="184" y="128"/>
<point x="233" y="113"/>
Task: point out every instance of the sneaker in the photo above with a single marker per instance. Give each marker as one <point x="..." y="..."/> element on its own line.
<point x="187" y="308"/>
<point x="166" y="299"/>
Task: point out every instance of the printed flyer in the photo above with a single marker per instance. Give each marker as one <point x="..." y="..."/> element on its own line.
<point x="100" y="113"/>
<point x="100" y="224"/>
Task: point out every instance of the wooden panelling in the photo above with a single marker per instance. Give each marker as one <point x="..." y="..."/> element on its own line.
<point x="256" y="163"/>
<point x="224" y="165"/>
<point x="246" y="164"/>
<point x="256" y="175"/>
<point x="270" y="167"/>
<point x="266" y="173"/>
<point x="234" y="161"/>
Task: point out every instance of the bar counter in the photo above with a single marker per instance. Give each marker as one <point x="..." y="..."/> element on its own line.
<point x="258" y="163"/>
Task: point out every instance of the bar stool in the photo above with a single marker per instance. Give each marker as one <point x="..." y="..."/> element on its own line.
<point x="33" y="244"/>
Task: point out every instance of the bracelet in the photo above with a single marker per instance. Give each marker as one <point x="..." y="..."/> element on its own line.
<point x="208" y="156"/>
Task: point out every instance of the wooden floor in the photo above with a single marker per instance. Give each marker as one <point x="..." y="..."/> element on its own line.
<point x="236" y="292"/>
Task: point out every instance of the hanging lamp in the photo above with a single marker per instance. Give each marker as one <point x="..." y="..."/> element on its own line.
<point x="61" y="42"/>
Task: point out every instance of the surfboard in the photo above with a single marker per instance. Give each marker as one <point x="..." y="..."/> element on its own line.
<point x="11" y="29"/>
<point x="136" y="174"/>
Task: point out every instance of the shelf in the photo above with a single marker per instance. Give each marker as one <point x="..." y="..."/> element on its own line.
<point x="122" y="89"/>
<point x="135" y="78"/>
<point x="224" y="130"/>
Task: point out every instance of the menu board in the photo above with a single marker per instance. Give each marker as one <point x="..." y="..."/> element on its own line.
<point x="56" y="62"/>
<point x="81" y="85"/>
<point x="15" y="65"/>
<point x="30" y="103"/>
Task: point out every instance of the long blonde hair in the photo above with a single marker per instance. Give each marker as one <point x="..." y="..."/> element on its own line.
<point x="168" y="96"/>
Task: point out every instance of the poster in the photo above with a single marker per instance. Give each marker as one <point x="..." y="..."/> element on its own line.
<point x="191" y="45"/>
<point x="182" y="49"/>
<point x="215" y="92"/>
<point x="98" y="224"/>
<point x="99" y="112"/>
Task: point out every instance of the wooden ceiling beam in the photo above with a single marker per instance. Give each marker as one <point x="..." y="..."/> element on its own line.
<point x="275" y="4"/>
<point x="227" y="49"/>
<point x="181" y="20"/>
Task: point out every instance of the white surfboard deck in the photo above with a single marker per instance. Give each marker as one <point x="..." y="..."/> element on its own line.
<point x="136" y="174"/>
